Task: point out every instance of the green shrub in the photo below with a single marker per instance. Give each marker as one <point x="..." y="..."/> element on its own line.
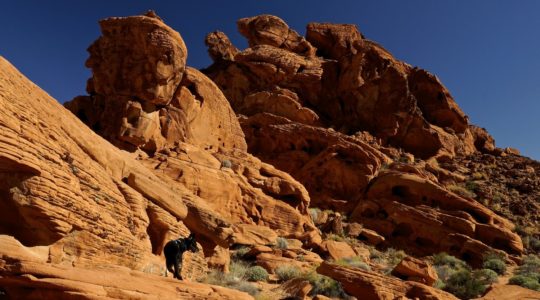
<point x="323" y="285"/>
<point x="256" y="273"/>
<point x="240" y="252"/>
<point x="246" y="287"/>
<point x="235" y="279"/>
<point x="461" y="191"/>
<point x="526" y="282"/>
<point x="534" y="244"/>
<point x="443" y="258"/>
<point x="238" y="269"/>
<point x="287" y="272"/>
<point x="485" y="276"/>
<point x="355" y="262"/>
<point x="394" y="256"/>
<point x="531" y="265"/>
<point x="314" y="213"/>
<point x="496" y="265"/>
<point x="226" y="164"/>
<point x="465" y="285"/>
<point x="281" y="243"/>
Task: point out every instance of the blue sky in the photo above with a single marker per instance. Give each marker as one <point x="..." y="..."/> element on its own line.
<point x="487" y="53"/>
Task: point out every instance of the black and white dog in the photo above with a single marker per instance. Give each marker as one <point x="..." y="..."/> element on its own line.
<point x="173" y="253"/>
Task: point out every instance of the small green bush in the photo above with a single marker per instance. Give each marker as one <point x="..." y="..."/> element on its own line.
<point x="531" y="265"/>
<point x="240" y="252"/>
<point x="246" y="287"/>
<point x="287" y="272"/>
<point x="256" y="273"/>
<point x="461" y="191"/>
<point x="323" y="285"/>
<point x="465" y="285"/>
<point x="226" y="164"/>
<point x="443" y="258"/>
<point x="526" y="282"/>
<point x="216" y="277"/>
<point x="238" y="269"/>
<point x="314" y="213"/>
<point x="485" y="276"/>
<point x="394" y="256"/>
<point x="496" y="265"/>
<point x="281" y="243"/>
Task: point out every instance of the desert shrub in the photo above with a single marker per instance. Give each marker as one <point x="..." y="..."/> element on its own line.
<point x="479" y="176"/>
<point x="531" y="265"/>
<point x="526" y="282"/>
<point x="323" y="285"/>
<point x="287" y="272"/>
<point x="226" y="163"/>
<point x="439" y="284"/>
<point x="485" y="276"/>
<point x="256" y="273"/>
<point x="461" y="191"/>
<point x="238" y="269"/>
<point x="240" y="252"/>
<point x="394" y="256"/>
<point x="281" y="243"/>
<point x="465" y="285"/>
<point x="235" y="279"/>
<point x="355" y="262"/>
<point x="246" y="287"/>
<point x="496" y="265"/>
<point x="314" y="213"/>
<point x="528" y="274"/>
<point x="444" y="259"/>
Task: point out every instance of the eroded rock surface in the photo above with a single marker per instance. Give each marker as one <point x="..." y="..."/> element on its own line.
<point x="78" y="202"/>
<point x="369" y="285"/>
<point x="192" y="140"/>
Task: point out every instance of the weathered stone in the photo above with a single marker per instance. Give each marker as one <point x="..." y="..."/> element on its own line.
<point x="410" y="268"/>
<point x="369" y="285"/>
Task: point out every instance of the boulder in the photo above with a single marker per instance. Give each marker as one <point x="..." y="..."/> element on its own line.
<point x="412" y="269"/>
<point x="273" y="31"/>
<point x="338" y="250"/>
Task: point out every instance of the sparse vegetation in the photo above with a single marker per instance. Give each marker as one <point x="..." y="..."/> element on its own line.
<point x="256" y="273"/>
<point x="314" y="213"/>
<point x="528" y="274"/>
<point x="495" y="261"/>
<point x="324" y="285"/>
<point x="287" y="272"/>
<point x="497" y="265"/>
<point x="461" y="191"/>
<point x="235" y="279"/>
<point x="226" y="164"/>
<point x="281" y="243"/>
<point x="240" y="252"/>
<point x="456" y="277"/>
<point x="355" y="262"/>
<point x="388" y="259"/>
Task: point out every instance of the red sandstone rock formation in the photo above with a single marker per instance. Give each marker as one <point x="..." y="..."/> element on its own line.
<point x="361" y="103"/>
<point x="372" y="286"/>
<point x="79" y="217"/>
<point x="188" y="135"/>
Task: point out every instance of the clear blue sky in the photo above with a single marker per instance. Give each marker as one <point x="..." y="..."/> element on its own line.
<point x="486" y="52"/>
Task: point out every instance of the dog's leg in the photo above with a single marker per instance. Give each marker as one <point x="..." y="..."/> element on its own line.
<point x="177" y="267"/>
